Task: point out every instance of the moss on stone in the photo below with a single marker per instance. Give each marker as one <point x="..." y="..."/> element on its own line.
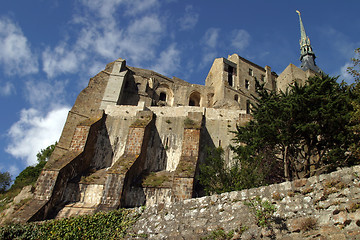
<point x="156" y="179"/>
<point x="190" y="123"/>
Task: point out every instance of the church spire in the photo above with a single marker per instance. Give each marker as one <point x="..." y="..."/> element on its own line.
<point x="307" y="56"/>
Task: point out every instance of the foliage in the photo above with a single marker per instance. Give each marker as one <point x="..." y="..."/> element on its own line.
<point x="5" y="181"/>
<point x="263" y="210"/>
<point x="301" y="132"/>
<point x="110" y="225"/>
<point x="354" y="70"/>
<point x="45" y="154"/>
<point x="219" y="234"/>
<point x="216" y="177"/>
<point x="27" y="177"/>
<point x="30" y="174"/>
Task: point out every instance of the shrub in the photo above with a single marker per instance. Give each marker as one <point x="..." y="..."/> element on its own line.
<point x="216" y="177"/>
<point x="219" y="234"/>
<point x="110" y="225"/>
<point x="263" y="210"/>
<point x="307" y="224"/>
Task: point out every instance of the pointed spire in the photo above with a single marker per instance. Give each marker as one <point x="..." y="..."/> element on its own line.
<point x="302" y="30"/>
<point x="307" y="56"/>
<point x="305" y="46"/>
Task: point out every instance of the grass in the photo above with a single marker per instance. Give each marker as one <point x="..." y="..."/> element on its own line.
<point x="307" y="224"/>
<point x="189" y="123"/>
<point x="155" y="180"/>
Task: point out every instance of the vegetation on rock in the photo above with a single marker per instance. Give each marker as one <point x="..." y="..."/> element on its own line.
<point x="263" y="210"/>
<point x="27" y="177"/>
<point x="216" y="177"/>
<point x="109" y="225"/>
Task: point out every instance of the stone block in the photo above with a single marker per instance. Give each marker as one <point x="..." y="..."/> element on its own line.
<point x="340" y="218"/>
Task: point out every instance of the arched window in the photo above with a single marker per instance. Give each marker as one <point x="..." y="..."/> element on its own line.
<point x="162" y="96"/>
<point x="194" y="99"/>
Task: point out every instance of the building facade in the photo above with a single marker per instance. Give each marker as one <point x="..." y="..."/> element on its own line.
<point x="135" y="137"/>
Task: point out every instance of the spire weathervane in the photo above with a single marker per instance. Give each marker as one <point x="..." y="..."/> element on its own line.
<point x="307" y="56"/>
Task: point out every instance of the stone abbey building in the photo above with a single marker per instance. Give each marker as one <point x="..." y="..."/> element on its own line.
<point x="136" y="137"/>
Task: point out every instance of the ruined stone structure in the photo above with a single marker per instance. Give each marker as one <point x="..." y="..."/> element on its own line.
<point x="136" y="137"/>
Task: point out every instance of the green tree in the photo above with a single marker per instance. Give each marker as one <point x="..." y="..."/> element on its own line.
<point x="30" y="174"/>
<point x="216" y="177"/>
<point x="301" y="132"/>
<point x="5" y="181"/>
<point x="45" y="154"/>
<point x="354" y="70"/>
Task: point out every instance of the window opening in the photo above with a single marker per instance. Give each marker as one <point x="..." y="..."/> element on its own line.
<point x="194" y="99"/>
<point x="251" y="72"/>
<point x="162" y="96"/>
<point x="247" y="84"/>
<point x="248" y="106"/>
<point x="230" y="75"/>
<point x="262" y="77"/>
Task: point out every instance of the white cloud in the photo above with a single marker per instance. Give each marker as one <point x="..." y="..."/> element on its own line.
<point x="15" y="53"/>
<point x="211" y="37"/>
<point x="105" y="8"/>
<point x="345" y="75"/>
<point x="6" y="89"/>
<point x="60" y="60"/>
<point x="45" y="95"/>
<point x="140" y="6"/>
<point x="240" y="39"/>
<point x="103" y="37"/>
<point x="35" y="131"/>
<point x="210" y="44"/>
<point x="14" y="171"/>
<point x="338" y="41"/>
<point x="207" y="58"/>
<point x="169" y="61"/>
<point x="190" y="19"/>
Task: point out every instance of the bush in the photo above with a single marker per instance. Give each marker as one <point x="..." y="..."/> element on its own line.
<point x="5" y="181"/>
<point x="110" y="225"/>
<point x="215" y="177"/>
<point x="263" y="211"/>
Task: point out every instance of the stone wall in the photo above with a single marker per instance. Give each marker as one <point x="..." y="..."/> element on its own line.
<point x="321" y="207"/>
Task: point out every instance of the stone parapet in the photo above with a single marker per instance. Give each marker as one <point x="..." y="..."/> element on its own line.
<point x="321" y="207"/>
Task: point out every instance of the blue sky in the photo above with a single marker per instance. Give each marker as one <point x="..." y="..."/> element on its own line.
<point x="50" y="49"/>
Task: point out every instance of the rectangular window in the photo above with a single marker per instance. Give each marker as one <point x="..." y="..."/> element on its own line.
<point x="262" y="78"/>
<point x="230" y="76"/>
<point x="247" y="84"/>
<point x="251" y="72"/>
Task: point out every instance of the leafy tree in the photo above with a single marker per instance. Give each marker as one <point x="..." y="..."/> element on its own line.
<point x="30" y="174"/>
<point x="354" y="70"/>
<point x="5" y="181"/>
<point x="216" y="177"/>
<point x="301" y="132"/>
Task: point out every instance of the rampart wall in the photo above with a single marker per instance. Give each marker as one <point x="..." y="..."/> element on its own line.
<point x="320" y="207"/>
